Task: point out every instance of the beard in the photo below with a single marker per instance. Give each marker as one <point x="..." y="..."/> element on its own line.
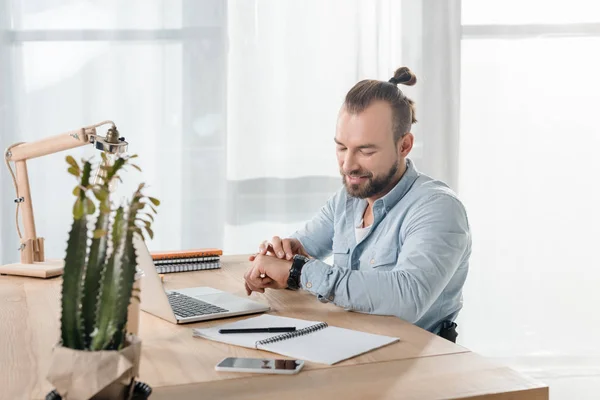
<point x="372" y="186"/>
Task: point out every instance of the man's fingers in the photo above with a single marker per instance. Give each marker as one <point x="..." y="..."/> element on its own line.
<point x="277" y="247"/>
<point x="254" y="288"/>
<point x="287" y="247"/>
<point x="255" y="274"/>
<point x="270" y="285"/>
<point x="256" y="280"/>
<point x="263" y="247"/>
<point x="265" y="282"/>
<point x="270" y="251"/>
<point x="251" y="287"/>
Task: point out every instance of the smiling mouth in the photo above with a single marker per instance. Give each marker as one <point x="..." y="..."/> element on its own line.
<point x="355" y="179"/>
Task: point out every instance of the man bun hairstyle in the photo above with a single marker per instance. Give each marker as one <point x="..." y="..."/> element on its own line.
<point x="367" y="91"/>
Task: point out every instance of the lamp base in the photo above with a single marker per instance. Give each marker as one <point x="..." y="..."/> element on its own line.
<point x="45" y="269"/>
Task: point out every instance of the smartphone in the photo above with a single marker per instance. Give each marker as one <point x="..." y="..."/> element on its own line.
<point x="260" y="365"/>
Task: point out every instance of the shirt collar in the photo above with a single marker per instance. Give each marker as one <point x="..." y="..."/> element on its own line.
<point x="384" y="204"/>
<point x="402" y="187"/>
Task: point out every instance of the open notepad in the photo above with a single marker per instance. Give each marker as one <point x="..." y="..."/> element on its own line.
<point x="312" y="341"/>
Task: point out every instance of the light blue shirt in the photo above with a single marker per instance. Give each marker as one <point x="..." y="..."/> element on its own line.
<point x="412" y="263"/>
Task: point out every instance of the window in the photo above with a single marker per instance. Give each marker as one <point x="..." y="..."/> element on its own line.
<point x="528" y="173"/>
<point x="75" y="63"/>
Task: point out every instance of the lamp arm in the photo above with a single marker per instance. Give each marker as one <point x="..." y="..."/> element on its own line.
<point x="54" y="144"/>
<point x="32" y="247"/>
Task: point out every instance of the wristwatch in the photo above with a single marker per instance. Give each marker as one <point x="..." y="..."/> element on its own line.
<point x="295" y="271"/>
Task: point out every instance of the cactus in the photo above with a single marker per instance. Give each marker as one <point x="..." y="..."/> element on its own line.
<point x="98" y="276"/>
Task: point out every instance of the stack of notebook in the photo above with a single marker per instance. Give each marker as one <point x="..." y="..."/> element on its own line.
<point x="186" y="260"/>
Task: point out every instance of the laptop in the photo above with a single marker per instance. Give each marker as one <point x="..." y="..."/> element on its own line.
<point x="187" y="305"/>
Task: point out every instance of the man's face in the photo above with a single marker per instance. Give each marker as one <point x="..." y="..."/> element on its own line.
<point x="368" y="158"/>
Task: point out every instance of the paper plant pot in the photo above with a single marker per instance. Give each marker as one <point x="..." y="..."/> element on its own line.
<point x="98" y="375"/>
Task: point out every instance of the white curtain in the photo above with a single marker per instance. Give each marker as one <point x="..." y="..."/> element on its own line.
<point x="67" y="64"/>
<point x="290" y="65"/>
<point x="528" y="170"/>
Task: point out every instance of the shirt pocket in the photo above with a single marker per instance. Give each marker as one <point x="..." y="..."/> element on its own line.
<point x="341" y="252"/>
<point x="381" y="258"/>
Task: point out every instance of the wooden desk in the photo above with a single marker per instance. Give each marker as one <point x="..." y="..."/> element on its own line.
<point x="176" y="365"/>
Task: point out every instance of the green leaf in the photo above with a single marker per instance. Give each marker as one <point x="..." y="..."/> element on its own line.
<point x="154" y="201"/>
<point x="137" y="206"/>
<point x="104" y="157"/>
<point x="90" y="206"/>
<point x="139" y="232"/>
<point x="150" y="216"/>
<point x="146" y="222"/>
<point x="133" y="156"/>
<point x="119" y="163"/>
<point x="105" y="207"/>
<point x="76" y="191"/>
<point x="98" y="233"/>
<point x="85" y="177"/>
<point x="150" y="232"/>
<point x="78" y="209"/>
<point x="136" y="167"/>
<point x="71" y="161"/>
<point x="100" y="193"/>
<point x="74" y="171"/>
<point x="154" y="210"/>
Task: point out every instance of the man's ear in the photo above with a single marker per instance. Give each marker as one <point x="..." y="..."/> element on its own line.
<point x="405" y="144"/>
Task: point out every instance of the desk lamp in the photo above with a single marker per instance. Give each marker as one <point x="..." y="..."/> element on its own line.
<point x="33" y="262"/>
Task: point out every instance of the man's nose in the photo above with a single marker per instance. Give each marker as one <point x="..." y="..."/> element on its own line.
<point x="349" y="163"/>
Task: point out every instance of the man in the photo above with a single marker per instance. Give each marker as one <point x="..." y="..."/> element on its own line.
<point x="400" y="240"/>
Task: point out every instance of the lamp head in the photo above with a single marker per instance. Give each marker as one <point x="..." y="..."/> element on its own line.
<point x="111" y="143"/>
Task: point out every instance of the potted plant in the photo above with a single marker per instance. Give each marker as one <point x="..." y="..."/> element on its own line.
<point x="97" y="357"/>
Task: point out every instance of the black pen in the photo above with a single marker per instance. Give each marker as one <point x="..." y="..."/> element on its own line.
<point x="259" y="330"/>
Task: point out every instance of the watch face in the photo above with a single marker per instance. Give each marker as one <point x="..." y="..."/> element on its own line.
<point x="301" y="257"/>
<point x="295" y="271"/>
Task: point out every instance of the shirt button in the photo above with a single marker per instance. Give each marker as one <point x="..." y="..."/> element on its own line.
<point x="372" y="261"/>
<point x="330" y="298"/>
<point x="308" y="285"/>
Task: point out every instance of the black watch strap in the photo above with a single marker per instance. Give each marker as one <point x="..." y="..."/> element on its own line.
<point x="295" y="271"/>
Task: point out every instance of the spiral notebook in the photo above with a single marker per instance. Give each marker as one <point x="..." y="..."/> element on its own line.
<point x="186" y="260"/>
<point x="312" y="341"/>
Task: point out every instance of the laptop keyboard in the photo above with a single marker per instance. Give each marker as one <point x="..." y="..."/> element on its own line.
<point x="186" y="306"/>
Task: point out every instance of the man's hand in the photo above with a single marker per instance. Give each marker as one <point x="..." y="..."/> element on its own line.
<point x="281" y="248"/>
<point x="267" y="272"/>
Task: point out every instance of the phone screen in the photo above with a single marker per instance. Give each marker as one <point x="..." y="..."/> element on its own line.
<point x="258" y="363"/>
